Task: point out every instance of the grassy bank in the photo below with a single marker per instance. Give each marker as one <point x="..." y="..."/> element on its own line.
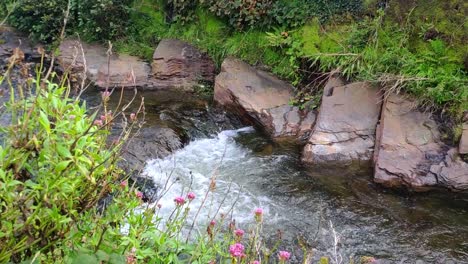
<point x="406" y="47"/>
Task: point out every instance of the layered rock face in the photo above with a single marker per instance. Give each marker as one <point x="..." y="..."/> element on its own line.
<point x="178" y="64"/>
<point x="345" y="129"/>
<point x="262" y="99"/>
<point x="90" y="61"/>
<point x="409" y="152"/>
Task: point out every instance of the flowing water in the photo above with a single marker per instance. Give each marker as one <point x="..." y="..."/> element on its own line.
<point x="253" y="172"/>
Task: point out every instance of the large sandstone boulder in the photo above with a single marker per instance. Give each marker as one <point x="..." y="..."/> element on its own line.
<point x="464" y="139"/>
<point x="409" y="152"/>
<point x="178" y="64"/>
<point x="262" y="99"/>
<point x="90" y="61"/>
<point x="346" y="124"/>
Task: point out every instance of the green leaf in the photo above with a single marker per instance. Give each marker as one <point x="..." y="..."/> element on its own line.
<point x="85" y="259"/>
<point x="62" y="165"/>
<point x="63" y="151"/>
<point x="102" y="256"/>
<point x="117" y="259"/>
<point x="44" y="121"/>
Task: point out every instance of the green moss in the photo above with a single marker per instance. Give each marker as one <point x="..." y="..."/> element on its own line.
<point x="311" y="38"/>
<point x="212" y="25"/>
<point x="333" y="38"/>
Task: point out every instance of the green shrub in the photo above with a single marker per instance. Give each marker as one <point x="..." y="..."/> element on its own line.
<point x="181" y="10"/>
<point x="296" y="13"/>
<point x="93" y="19"/>
<point x="241" y="14"/>
<point x="57" y="165"/>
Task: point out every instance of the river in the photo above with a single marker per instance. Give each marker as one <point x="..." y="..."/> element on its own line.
<point x="251" y="172"/>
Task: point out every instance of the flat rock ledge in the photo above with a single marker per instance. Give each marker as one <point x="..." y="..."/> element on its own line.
<point x="409" y="152"/>
<point x="262" y="100"/>
<point x="344" y="133"/>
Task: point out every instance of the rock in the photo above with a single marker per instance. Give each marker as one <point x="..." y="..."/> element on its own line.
<point x="150" y="143"/>
<point x="452" y="173"/>
<point x="96" y="66"/>
<point x="261" y="99"/>
<point x="178" y="64"/>
<point x="463" y="148"/>
<point x="409" y="152"/>
<point x="124" y="71"/>
<point x="11" y="39"/>
<point x="346" y="124"/>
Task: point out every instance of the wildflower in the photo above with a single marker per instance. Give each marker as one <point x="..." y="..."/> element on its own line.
<point x="239" y="232"/>
<point x="179" y="201"/>
<point x="71" y="117"/>
<point x="212" y="223"/>
<point x="139" y="194"/>
<point x="131" y="257"/>
<point x="284" y="256"/>
<point x="98" y="122"/>
<point x="133" y="116"/>
<point x="255" y="262"/>
<point x="236" y="250"/>
<point x="105" y="95"/>
<point x="191" y="196"/>
<point x="123" y="184"/>
<point x="258" y="214"/>
<point x="159" y="205"/>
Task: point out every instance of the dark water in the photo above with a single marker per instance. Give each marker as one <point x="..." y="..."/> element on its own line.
<point x="255" y="172"/>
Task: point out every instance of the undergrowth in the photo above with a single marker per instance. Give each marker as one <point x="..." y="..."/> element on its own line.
<point x="399" y="56"/>
<point x="64" y="198"/>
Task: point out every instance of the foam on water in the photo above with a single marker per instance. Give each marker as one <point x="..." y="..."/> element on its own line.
<point x="192" y="168"/>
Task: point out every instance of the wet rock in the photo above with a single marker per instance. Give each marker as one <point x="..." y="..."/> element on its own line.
<point x="463" y="148"/>
<point x="150" y="143"/>
<point x="409" y="152"/>
<point x="11" y="39"/>
<point x="261" y="99"/>
<point x="178" y="64"/>
<point x="346" y="124"/>
<point x="90" y="61"/>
